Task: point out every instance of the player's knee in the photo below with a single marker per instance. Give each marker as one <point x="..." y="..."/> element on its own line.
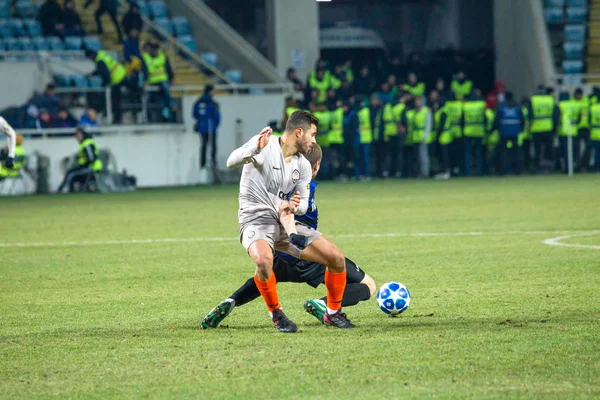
<point x="367" y="280"/>
<point x="264" y="265"/>
<point x="337" y="260"/>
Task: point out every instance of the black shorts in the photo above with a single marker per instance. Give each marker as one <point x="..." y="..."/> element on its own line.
<point x="290" y="269"/>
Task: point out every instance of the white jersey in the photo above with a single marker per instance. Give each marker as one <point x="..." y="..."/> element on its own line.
<point x="267" y="180"/>
<point x="10" y="135"/>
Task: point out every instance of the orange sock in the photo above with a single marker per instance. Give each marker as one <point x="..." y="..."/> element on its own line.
<point x="268" y="290"/>
<point x="335" y="283"/>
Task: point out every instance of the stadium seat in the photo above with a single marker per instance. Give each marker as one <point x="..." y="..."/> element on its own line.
<point x="210" y="58"/>
<point x="92" y="43"/>
<point x="573" y="50"/>
<point x="181" y="26"/>
<point x="94" y="82"/>
<point x="32" y="27"/>
<point x="17" y="27"/>
<point x="554" y="15"/>
<point x="40" y="43"/>
<point x="62" y="80"/>
<point x="576" y="15"/>
<point x="73" y="43"/>
<point x="572" y="67"/>
<point x="79" y="80"/>
<point x="575" y="33"/>
<point x="11" y="44"/>
<point x="54" y="43"/>
<point x="577" y="3"/>
<point x="143" y="8"/>
<point x="6" y="30"/>
<point x="188" y="42"/>
<point x="165" y="24"/>
<point x="26" y="9"/>
<point x="158" y="9"/>
<point x="4" y="9"/>
<point x="234" y="75"/>
<point x="554" y="3"/>
<point x="26" y="44"/>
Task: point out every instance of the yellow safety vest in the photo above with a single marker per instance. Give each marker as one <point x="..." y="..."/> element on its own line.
<point x="157" y="68"/>
<point x="526" y="134"/>
<point x="96" y="165"/>
<point x="18" y="163"/>
<point x="584" y="109"/>
<point x="543" y="113"/>
<point x="365" y="128"/>
<point x="445" y="137"/>
<point x="349" y="74"/>
<point x="493" y="137"/>
<point x="277" y="133"/>
<point x="569" y="115"/>
<point x="336" y="133"/>
<point x="474" y="116"/>
<point x="390" y="121"/>
<point x="454" y="110"/>
<point x="116" y="69"/>
<point x="410" y="116"/>
<point x="321" y="86"/>
<point x="324" y="126"/>
<point x="418" y="125"/>
<point x="417" y="90"/>
<point x="595" y="122"/>
<point x="461" y="90"/>
<point x="290" y="110"/>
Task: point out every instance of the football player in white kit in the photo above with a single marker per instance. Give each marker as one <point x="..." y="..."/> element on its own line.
<point x="12" y="141"/>
<point x="275" y="171"/>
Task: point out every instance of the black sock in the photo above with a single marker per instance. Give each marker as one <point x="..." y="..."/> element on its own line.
<point x="246" y="293"/>
<point x="354" y="293"/>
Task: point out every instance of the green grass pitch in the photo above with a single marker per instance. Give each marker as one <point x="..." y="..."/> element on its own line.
<point x="101" y="296"/>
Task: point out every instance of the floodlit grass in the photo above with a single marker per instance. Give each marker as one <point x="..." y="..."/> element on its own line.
<point x="493" y="315"/>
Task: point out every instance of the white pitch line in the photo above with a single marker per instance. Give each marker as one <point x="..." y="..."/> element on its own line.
<point x="557" y="241"/>
<point x="234" y="239"/>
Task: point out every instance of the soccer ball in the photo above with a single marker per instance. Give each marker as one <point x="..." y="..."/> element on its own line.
<point x="393" y="298"/>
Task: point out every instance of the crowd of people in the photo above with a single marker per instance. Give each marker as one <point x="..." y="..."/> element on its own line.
<point x="403" y="128"/>
<point x="60" y="21"/>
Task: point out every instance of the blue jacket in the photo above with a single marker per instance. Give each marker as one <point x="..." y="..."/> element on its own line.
<point x="509" y="120"/>
<point x="131" y="47"/>
<point x="207" y="115"/>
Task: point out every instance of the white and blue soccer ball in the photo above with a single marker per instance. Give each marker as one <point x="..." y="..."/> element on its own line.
<point x="393" y="298"/>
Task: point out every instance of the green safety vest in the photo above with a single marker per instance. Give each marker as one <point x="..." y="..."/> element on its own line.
<point x="417" y="90"/>
<point x="493" y="137"/>
<point x="336" y="133"/>
<point x="595" y="122"/>
<point x="526" y="134"/>
<point x="320" y="85"/>
<point x="474" y="116"/>
<point x="324" y="126"/>
<point x="349" y="74"/>
<point x="277" y="133"/>
<point x="116" y="69"/>
<point x="364" y="122"/>
<point x="543" y="113"/>
<point x="82" y="160"/>
<point x="446" y="134"/>
<point x="390" y="121"/>
<point x="410" y="116"/>
<point x="18" y="163"/>
<point x="569" y="115"/>
<point x="335" y="82"/>
<point x="290" y="110"/>
<point x="584" y="108"/>
<point x="461" y="90"/>
<point x="419" y="121"/>
<point x="157" y="67"/>
<point x="454" y="110"/>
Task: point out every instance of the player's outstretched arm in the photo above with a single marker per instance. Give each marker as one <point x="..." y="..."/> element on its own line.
<point x="251" y="149"/>
<point x="10" y="135"/>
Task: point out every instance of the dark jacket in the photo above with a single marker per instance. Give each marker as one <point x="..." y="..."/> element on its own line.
<point x="207" y="115"/>
<point x="72" y="20"/>
<point x="131" y="47"/>
<point x="350" y="124"/>
<point x="49" y="15"/>
<point x="131" y="21"/>
<point x="69" y="122"/>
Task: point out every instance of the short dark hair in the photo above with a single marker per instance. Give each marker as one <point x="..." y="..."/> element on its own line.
<point x="301" y="119"/>
<point x="314" y="155"/>
<point x="509" y="96"/>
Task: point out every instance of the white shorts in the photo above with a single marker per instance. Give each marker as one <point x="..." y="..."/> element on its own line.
<point x="276" y="237"/>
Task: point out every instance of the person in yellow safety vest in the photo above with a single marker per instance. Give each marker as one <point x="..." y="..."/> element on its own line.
<point x="525" y="136"/>
<point x="413" y="86"/>
<point x="159" y="74"/>
<point x="113" y="74"/>
<point x="88" y="160"/>
<point x="377" y="125"/>
<point x="322" y="113"/>
<point x="347" y="69"/>
<point x="461" y="86"/>
<point x="544" y="118"/>
<point x="473" y="126"/>
<point x="392" y="112"/>
<point x="337" y="77"/>
<point x="421" y="128"/>
<point x="320" y="81"/>
<point x="454" y="110"/>
<point x="570" y="118"/>
<point x="365" y="127"/>
<point x="291" y="105"/>
<point x="445" y="137"/>
<point x="583" y="104"/>
<point x="14" y="168"/>
<point x="490" y="143"/>
<point x="336" y="139"/>
<point x="595" y="133"/>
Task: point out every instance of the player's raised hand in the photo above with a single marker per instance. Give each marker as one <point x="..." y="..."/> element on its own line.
<point x="263" y="137"/>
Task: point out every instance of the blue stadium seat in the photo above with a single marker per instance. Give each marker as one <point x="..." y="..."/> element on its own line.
<point x="181" y="26"/>
<point x="33" y="28"/>
<point x="158" y="9"/>
<point x="93" y="43"/>
<point x="62" y="80"/>
<point x="188" y="42"/>
<point x="5" y="10"/>
<point x="554" y="3"/>
<point x="554" y="15"/>
<point x="94" y="82"/>
<point x="40" y="43"/>
<point x="576" y="15"/>
<point x="73" y="43"/>
<point x="573" y="50"/>
<point x="575" y="33"/>
<point x="577" y="3"/>
<point x="165" y="24"/>
<point x="572" y="67"/>
<point x="26" y="44"/>
<point x="79" y="80"/>
<point x="12" y="44"/>
<point x="234" y="74"/>
<point x="54" y="43"/>
<point x="210" y="58"/>
<point x="26" y="9"/>
<point x="17" y="27"/>
<point x="6" y="30"/>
